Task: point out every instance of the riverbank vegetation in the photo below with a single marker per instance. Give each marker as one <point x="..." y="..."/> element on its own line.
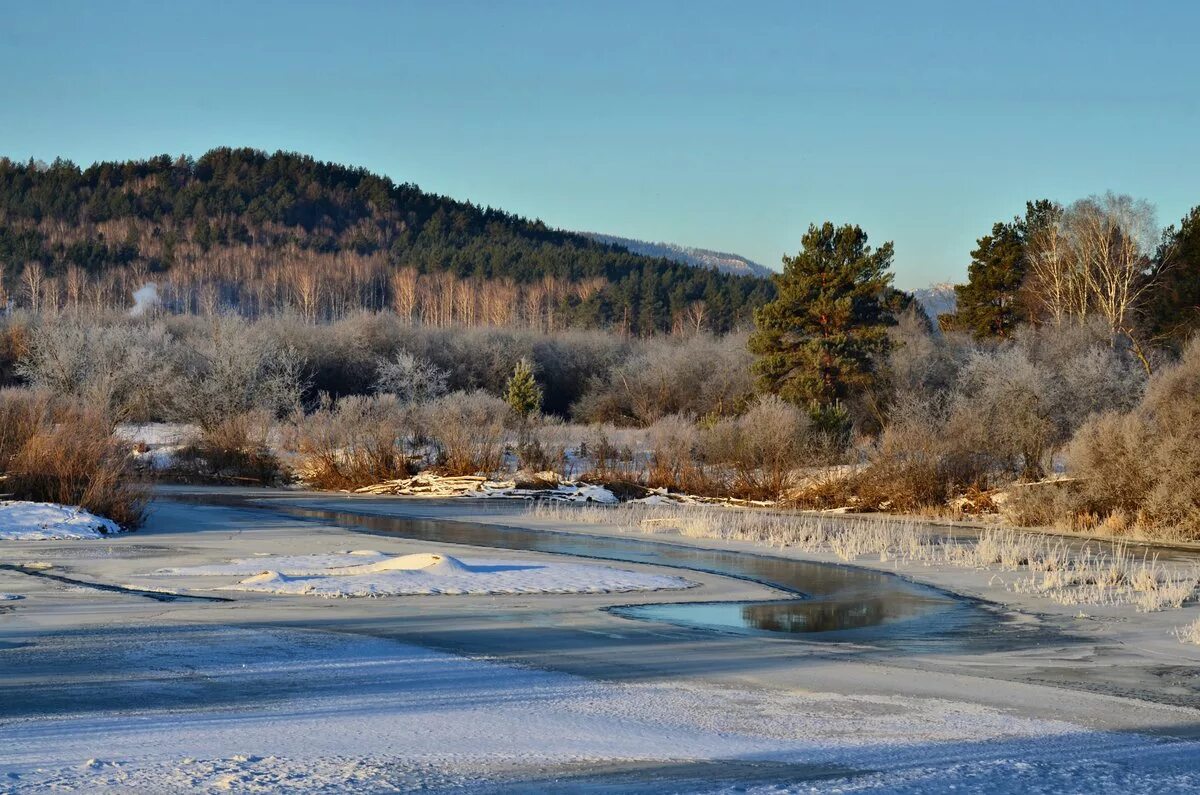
<point x="1087" y="573"/>
<point x="1060" y="391"/>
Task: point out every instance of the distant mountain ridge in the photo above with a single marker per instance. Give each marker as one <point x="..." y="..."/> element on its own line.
<point x="688" y="255"/>
<point x="937" y="299"/>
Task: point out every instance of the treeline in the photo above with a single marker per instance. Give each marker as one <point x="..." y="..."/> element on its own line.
<point x="241" y="230"/>
<point x="1063" y="390"/>
<point x="1102" y="256"/>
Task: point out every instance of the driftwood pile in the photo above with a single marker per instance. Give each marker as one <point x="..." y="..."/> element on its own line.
<point x="427" y="484"/>
<point x="524" y="486"/>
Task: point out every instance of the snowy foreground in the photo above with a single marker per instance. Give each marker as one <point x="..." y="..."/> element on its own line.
<point x="335" y="713"/>
<point x="370" y="573"/>
<point x="42" y="521"/>
<point x="165" y="681"/>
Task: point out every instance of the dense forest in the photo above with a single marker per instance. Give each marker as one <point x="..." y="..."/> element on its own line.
<point x="243" y="230"/>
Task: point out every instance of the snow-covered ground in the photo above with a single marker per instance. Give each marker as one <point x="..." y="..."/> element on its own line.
<point x="370" y="573"/>
<point x="110" y="691"/>
<point x="156" y="444"/>
<point x="326" y="712"/>
<point x="156" y="434"/>
<point x="44" y="521"/>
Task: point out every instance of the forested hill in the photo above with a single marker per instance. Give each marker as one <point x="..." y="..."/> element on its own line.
<point x="246" y="230"/>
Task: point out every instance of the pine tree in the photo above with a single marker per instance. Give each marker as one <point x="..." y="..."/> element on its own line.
<point x="524" y="397"/>
<point x="817" y="341"/>
<point x="988" y="304"/>
<point x="1171" y="314"/>
<point x="992" y="303"/>
<point x="522" y="392"/>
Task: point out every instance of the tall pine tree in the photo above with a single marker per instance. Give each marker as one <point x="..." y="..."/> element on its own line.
<point x="817" y="341"/>
<point x="991" y="303"/>
<point x="988" y="304"/>
<point x="1171" y="314"/>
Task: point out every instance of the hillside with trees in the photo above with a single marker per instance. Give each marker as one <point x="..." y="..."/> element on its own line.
<point x="243" y="230"/>
<point x="314" y="321"/>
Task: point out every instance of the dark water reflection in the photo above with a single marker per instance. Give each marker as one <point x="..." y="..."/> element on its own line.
<point x="794" y="616"/>
<point x="830" y="599"/>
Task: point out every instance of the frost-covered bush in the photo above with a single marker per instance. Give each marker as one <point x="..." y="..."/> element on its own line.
<point x="468" y="431"/>
<point x="973" y="411"/>
<point x="545" y="449"/>
<point x="409" y="379"/>
<point x="1146" y="463"/>
<point x="673" y="441"/>
<point x="233" y="369"/>
<point x="763" y="447"/>
<point x="922" y="362"/>
<point x="354" y="441"/>
<point x="236" y="381"/>
<point x="343" y="357"/>
<point x="968" y="415"/>
<point x="698" y="375"/>
<point x="125" y="370"/>
<point x="1001" y="410"/>
<point x="1089" y="372"/>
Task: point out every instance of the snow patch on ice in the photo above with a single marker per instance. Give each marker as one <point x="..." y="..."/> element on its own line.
<point x="46" y="521"/>
<point x="296" y="565"/>
<point x="346" y="575"/>
<point x="428" y="561"/>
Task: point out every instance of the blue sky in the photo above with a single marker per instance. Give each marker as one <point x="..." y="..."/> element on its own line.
<point x="723" y="125"/>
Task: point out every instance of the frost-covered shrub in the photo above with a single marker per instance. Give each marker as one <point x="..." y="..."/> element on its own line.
<point x="236" y="449"/>
<point x="1147" y="463"/>
<point x="410" y="379"/>
<point x="673" y="441"/>
<point x="1002" y="410"/>
<point x="467" y="429"/>
<point x="343" y="357"/>
<point x="762" y="447"/>
<point x="236" y="369"/>
<point x="964" y="413"/>
<point x="339" y="358"/>
<point x="235" y="381"/>
<point x="125" y="370"/>
<point x="608" y="458"/>
<point x="546" y="448"/>
<point x="921" y="362"/>
<point x="698" y="375"/>
<point x="351" y="442"/>
<point x="1089" y="372"/>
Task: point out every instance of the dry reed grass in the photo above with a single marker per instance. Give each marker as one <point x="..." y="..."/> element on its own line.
<point x="1054" y="568"/>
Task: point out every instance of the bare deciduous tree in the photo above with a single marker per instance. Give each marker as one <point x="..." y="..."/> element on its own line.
<point x="1112" y="238"/>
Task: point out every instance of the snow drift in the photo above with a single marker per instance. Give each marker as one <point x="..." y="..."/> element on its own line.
<point x="369" y="573"/>
<point x="46" y="521"/>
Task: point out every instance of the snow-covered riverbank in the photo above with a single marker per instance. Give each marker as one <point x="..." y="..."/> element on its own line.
<point x="43" y="521"/>
<point x="328" y="713"/>
<point x="115" y="692"/>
